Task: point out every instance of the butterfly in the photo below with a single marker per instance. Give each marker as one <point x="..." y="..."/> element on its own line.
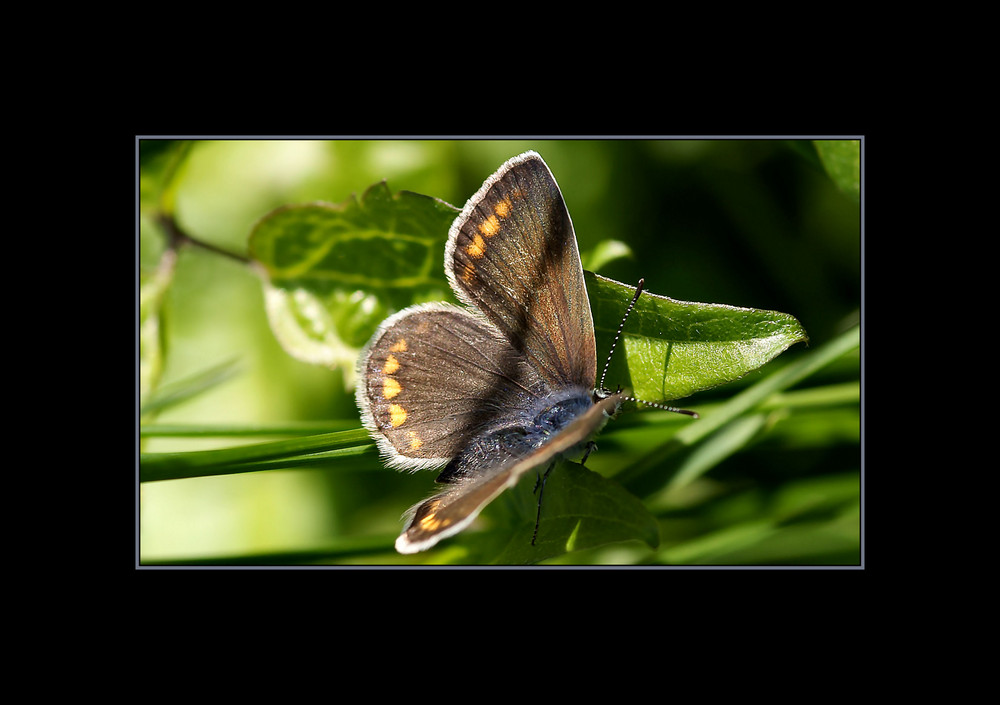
<point x="502" y="385"/>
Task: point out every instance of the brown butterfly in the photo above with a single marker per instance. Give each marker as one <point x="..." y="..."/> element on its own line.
<point x="503" y="386"/>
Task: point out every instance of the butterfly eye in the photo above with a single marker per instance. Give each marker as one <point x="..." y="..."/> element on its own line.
<point x="600" y="394"/>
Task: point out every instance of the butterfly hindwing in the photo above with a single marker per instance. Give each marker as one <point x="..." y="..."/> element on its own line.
<point x="432" y="377"/>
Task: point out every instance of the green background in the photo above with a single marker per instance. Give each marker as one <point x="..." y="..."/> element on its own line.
<point x="767" y="224"/>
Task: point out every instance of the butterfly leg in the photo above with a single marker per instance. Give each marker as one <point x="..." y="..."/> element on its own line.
<point x="540" y="488"/>
<point x="591" y="446"/>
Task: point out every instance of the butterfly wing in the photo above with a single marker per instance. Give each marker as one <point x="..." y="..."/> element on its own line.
<point x="432" y="377"/>
<point x="512" y="255"/>
<point x="449" y="512"/>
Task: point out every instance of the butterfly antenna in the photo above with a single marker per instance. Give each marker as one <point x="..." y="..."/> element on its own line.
<point x="664" y="407"/>
<point x="621" y="326"/>
<point x="607" y="363"/>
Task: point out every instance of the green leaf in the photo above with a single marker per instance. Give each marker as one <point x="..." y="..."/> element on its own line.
<point x="670" y="349"/>
<point x="842" y="161"/>
<point x="580" y="509"/>
<point x="332" y="273"/>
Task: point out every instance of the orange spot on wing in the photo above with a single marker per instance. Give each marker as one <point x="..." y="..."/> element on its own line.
<point x="397" y="415"/>
<point x="490" y="226"/>
<point x="476" y="248"/>
<point x="415" y="440"/>
<point x="390" y="387"/>
<point x="431" y="521"/>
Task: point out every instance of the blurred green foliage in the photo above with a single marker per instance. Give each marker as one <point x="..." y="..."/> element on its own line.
<point x="766" y="224"/>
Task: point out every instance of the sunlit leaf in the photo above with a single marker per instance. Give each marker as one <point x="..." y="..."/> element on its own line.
<point x="671" y="349"/>
<point x="333" y="272"/>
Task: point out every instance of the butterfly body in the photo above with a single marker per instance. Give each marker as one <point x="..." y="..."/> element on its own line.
<point x="517" y="435"/>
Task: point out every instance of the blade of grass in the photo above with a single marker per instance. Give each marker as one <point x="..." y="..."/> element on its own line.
<point x="182" y="390"/>
<point x="250" y="458"/>
<point x="648" y="474"/>
<point x="297" y="428"/>
<point x="791" y="375"/>
<point x="342" y="550"/>
<point x="727" y="441"/>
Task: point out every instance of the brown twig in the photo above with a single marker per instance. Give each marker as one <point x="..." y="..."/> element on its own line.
<point x="177" y="237"/>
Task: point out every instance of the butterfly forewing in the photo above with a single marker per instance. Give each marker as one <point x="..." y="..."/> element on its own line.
<point x="512" y="254"/>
